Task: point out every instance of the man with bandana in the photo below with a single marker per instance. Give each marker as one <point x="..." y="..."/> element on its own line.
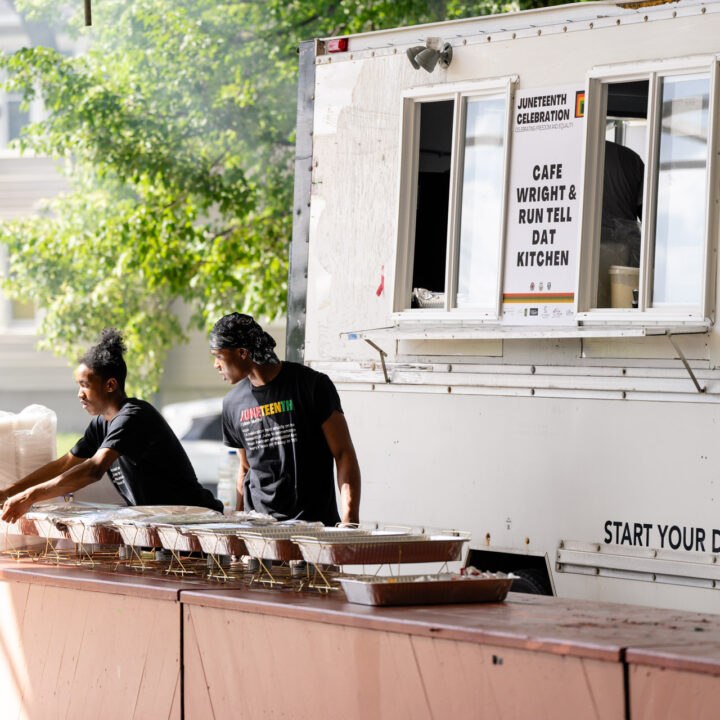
<point x="287" y="424"/>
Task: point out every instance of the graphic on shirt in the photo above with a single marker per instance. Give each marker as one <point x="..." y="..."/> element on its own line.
<point x="258" y="435"/>
<point x="269" y="409"/>
<point x="117" y="477"/>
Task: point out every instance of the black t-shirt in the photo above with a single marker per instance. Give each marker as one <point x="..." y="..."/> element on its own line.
<point x="153" y="468"/>
<point x="279" y="427"/>
<point x="623" y="184"/>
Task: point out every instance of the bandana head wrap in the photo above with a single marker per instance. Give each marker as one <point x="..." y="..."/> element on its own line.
<point x="241" y="331"/>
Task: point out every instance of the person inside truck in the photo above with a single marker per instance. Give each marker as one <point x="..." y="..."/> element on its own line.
<point x="127" y="437"/>
<point x="288" y="426"/>
<point x="621" y="212"/>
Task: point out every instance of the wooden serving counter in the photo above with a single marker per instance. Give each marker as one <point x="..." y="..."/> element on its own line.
<point x="302" y="657"/>
<point x="81" y="644"/>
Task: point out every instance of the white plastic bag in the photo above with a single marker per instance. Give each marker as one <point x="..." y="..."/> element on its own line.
<point x="27" y="442"/>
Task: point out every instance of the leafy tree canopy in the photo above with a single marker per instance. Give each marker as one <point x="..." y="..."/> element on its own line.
<point x="176" y="132"/>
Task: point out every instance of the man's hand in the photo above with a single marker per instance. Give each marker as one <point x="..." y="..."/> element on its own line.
<point x="4" y="495"/>
<point x="16" y="506"/>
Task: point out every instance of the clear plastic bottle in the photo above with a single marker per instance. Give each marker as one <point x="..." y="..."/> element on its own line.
<point x="227" y="480"/>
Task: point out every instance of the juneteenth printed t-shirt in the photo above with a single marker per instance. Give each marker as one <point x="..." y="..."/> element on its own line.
<point x="153" y="468"/>
<point x="279" y="427"/>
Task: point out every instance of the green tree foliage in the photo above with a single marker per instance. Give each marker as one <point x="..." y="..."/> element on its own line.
<point x="176" y="130"/>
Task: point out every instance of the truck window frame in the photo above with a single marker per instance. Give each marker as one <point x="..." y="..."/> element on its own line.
<point x="460" y="94"/>
<point x="595" y="111"/>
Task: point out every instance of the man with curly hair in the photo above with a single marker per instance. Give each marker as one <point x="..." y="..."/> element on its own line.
<point x="287" y="424"/>
<point x="127" y="438"/>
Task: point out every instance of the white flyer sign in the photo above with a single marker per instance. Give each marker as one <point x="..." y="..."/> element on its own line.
<point x="542" y="240"/>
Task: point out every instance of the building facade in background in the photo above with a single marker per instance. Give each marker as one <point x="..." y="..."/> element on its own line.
<point x="27" y="375"/>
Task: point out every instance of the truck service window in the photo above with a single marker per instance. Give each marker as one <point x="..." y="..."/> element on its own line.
<point x="453" y="189"/>
<point x="621" y="192"/>
<point x="650" y="239"/>
<point x="433" y="189"/>
<point x="481" y="205"/>
<point x="680" y="197"/>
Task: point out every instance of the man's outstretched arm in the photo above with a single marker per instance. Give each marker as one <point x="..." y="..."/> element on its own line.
<point x="82" y="474"/>
<point x="41" y="475"/>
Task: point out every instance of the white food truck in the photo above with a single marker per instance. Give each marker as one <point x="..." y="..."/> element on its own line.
<point x="505" y="256"/>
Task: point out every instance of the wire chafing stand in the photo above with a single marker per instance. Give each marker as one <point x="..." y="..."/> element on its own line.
<point x="11" y="534"/>
<point x="224" y="549"/>
<point x="273" y="543"/>
<point x="138" y="527"/>
<point x="98" y="541"/>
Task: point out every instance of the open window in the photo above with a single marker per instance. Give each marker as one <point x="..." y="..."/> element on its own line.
<point x="453" y="194"/>
<point x="647" y="212"/>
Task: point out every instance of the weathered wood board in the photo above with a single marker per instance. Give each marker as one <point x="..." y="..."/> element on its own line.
<point x="248" y="665"/>
<point x="658" y="693"/>
<point x="72" y="654"/>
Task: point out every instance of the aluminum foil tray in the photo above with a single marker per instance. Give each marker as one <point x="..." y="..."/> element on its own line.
<point x="88" y="533"/>
<point x="94" y="528"/>
<point x="220" y="539"/>
<point x="51" y="528"/>
<point x="138" y="525"/>
<point x="178" y="538"/>
<point x="409" y="590"/>
<point x="278" y="550"/>
<point x="139" y="535"/>
<point x="51" y="518"/>
<point x="382" y="548"/>
<point x="274" y="543"/>
<point x="22" y="526"/>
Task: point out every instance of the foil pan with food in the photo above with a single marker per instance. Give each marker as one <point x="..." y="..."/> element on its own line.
<point x="427" y="589"/>
<point x="93" y="528"/>
<point x="274" y="542"/>
<point x="139" y="525"/>
<point x="224" y="538"/>
<point x="380" y="547"/>
<point x="51" y="518"/>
